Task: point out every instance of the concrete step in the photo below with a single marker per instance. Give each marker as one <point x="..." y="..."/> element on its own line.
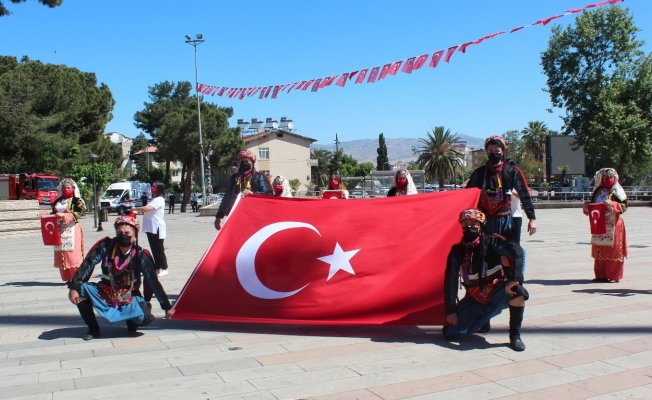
<point x="18" y="205"/>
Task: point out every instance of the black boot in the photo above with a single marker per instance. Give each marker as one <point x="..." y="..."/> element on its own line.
<point x="88" y="315"/>
<point x="132" y="326"/>
<point x="485" y="328"/>
<point x="515" y="321"/>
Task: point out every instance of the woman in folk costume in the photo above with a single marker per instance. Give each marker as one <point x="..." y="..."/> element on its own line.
<point x="609" y="250"/>
<point x="68" y="207"/>
<point x="245" y="182"/>
<point x="281" y="187"/>
<point x="117" y="296"/>
<point x="403" y="184"/>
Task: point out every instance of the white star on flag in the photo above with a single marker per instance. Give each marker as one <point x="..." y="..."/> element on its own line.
<point x="339" y="260"/>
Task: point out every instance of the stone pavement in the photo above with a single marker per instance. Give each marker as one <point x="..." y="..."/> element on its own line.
<point x="585" y="340"/>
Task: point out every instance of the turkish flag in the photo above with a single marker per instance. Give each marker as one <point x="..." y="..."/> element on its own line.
<point x="546" y="21"/>
<point x="50" y="230"/>
<point x="312" y="261"/>
<point x="361" y="75"/>
<point x="222" y="91"/>
<point x="420" y="62"/>
<point x="315" y="87"/>
<point x="342" y="81"/>
<point x="200" y="87"/>
<point x="409" y="65"/>
<point x="384" y="71"/>
<point x="436" y="56"/>
<point x="449" y="53"/>
<point x="373" y="75"/>
<point x="597" y="218"/>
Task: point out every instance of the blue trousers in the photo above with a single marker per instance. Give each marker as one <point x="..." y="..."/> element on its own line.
<point x="129" y="312"/>
<point x="471" y="317"/>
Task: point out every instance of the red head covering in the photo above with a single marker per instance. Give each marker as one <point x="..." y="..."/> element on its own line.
<point x="497" y="140"/>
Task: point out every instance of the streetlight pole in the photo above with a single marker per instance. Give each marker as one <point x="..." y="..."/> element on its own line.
<point x="195" y="43"/>
<point x="93" y="158"/>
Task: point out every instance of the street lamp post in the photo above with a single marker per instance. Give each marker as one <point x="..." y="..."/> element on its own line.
<point x="93" y="158"/>
<point x="195" y="43"/>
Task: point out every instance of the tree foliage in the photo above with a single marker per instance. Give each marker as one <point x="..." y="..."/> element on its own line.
<point x="170" y="118"/>
<point x="382" y="161"/>
<point x="52" y="117"/>
<point x="599" y="75"/>
<point x="438" y="156"/>
<point x="50" y="3"/>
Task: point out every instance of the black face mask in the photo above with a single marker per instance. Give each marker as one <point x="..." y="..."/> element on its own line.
<point x="123" y="240"/>
<point x="470" y="233"/>
<point x="495" y="158"/>
<point x="244" y="166"/>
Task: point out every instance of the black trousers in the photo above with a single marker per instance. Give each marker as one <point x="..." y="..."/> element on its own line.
<point x="171" y="208"/>
<point x="517" y="225"/>
<point x="158" y="250"/>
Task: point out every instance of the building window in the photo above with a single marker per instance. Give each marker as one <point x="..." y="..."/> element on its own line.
<point x="263" y="153"/>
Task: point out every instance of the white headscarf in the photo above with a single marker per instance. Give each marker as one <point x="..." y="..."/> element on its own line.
<point x="71" y="183"/>
<point x="411" y="188"/>
<point x="616" y="189"/>
<point x="287" y="191"/>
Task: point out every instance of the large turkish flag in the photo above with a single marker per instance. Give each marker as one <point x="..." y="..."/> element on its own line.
<point x="346" y="262"/>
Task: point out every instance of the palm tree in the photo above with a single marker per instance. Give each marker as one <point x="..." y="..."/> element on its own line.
<point x="320" y="172"/>
<point x="534" y="136"/>
<point x="438" y="156"/>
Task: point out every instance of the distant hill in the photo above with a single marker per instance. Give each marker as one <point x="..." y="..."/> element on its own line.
<point x="398" y="150"/>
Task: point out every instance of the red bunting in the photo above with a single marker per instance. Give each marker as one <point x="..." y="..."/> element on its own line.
<point x="361" y="76"/>
<point x="434" y="61"/>
<point x="449" y="53"/>
<point x="409" y="65"/>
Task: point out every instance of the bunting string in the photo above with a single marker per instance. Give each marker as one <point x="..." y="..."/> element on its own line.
<point x="378" y="73"/>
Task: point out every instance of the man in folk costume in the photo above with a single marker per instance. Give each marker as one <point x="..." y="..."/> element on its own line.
<point x="246" y="181"/>
<point x="491" y="270"/>
<point x="117" y="296"/>
<point x="402" y="185"/>
<point x="609" y="249"/>
<point x="497" y="179"/>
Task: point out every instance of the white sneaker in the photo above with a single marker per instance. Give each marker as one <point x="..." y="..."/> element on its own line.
<point x="163" y="272"/>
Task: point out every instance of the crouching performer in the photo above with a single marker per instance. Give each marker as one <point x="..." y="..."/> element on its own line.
<point x="117" y="296"/>
<point x="491" y="270"/>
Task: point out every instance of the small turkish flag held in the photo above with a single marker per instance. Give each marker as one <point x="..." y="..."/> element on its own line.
<point x="50" y="230"/>
<point x="597" y="214"/>
<point x="311" y="261"/>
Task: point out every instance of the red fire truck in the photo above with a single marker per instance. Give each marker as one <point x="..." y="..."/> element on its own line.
<point x="41" y="187"/>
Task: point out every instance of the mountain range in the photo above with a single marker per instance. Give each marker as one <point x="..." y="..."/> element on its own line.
<point x="399" y="150"/>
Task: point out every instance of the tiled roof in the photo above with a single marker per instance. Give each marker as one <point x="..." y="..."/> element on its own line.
<point x="250" y="138"/>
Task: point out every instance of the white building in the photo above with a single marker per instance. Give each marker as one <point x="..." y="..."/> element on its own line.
<point x="124" y="142"/>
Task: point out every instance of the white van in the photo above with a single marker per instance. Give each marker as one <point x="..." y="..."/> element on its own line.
<point x="121" y="196"/>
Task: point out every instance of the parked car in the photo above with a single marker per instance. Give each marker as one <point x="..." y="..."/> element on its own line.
<point x="428" y="189"/>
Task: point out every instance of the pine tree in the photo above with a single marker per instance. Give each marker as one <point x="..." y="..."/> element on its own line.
<point x="382" y="162"/>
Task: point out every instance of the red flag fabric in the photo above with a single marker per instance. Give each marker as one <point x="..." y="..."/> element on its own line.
<point x="313" y="261"/>
<point x="436" y="56"/>
<point x="384" y="71"/>
<point x="395" y="67"/>
<point x="597" y="4"/>
<point x="315" y="87"/>
<point x="420" y="62"/>
<point x="464" y="46"/>
<point x="275" y="93"/>
<point x="242" y="94"/>
<point x="352" y="74"/>
<point x="308" y="83"/>
<point x="615" y="1"/>
<point x="215" y="91"/>
<point x="409" y="65"/>
<point x="546" y="21"/>
<point x="200" y="87"/>
<point x="575" y="10"/>
<point x="361" y="76"/>
<point x="516" y="29"/>
<point x="331" y="80"/>
<point x="222" y="91"/>
<point x="342" y="81"/>
<point x="373" y="75"/>
<point x="292" y="86"/>
<point x="268" y="91"/>
<point x="597" y="218"/>
<point x="253" y="93"/>
<point x="50" y="230"/>
<point x="449" y="53"/>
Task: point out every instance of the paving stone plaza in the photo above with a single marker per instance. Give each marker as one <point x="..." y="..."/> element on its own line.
<point x="584" y="339"/>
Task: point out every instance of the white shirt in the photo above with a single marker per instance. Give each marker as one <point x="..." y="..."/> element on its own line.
<point x="153" y="220"/>
<point x="515" y="205"/>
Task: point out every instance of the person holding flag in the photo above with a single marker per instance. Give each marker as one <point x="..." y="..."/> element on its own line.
<point x="491" y="270"/>
<point x="609" y="249"/>
<point x="497" y="179"/>
<point x="245" y="182"/>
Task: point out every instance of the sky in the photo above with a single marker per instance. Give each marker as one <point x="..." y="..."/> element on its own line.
<point x="132" y="45"/>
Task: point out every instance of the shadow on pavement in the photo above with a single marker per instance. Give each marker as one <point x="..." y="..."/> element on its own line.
<point x="34" y="283"/>
<point x="107" y="332"/>
<point x="614" y="292"/>
<point x="558" y="282"/>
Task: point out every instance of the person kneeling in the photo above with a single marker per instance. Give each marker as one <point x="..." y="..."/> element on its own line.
<point x="491" y="271"/>
<point x="117" y="296"/>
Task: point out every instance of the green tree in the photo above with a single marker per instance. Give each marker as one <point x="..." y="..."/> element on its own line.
<point x="171" y="120"/>
<point x="534" y="138"/>
<point x="597" y="72"/>
<point x="52" y="117"/>
<point x="438" y="156"/>
<point x="105" y="174"/>
<point x="382" y="161"/>
<point x="50" y="3"/>
<point x="294" y="184"/>
<point x="320" y="172"/>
